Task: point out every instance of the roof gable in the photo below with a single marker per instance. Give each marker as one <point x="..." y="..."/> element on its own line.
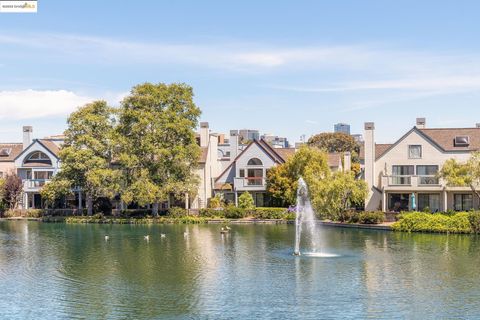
<point x="53" y="153"/>
<point x="262" y="145"/>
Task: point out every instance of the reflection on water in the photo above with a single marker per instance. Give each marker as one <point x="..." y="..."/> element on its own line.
<point x="56" y="271"/>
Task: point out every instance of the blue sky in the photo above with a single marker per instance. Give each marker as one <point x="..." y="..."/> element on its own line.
<point x="283" y="67"/>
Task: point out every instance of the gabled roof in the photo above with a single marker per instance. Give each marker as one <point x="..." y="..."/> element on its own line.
<point x="14" y="148"/>
<point x="47" y="144"/>
<point x="51" y="146"/>
<point x="262" y="145"/>
<point x="380" y="149"/>
<point x="441" y="138"/>
<point x="445" y="137"/>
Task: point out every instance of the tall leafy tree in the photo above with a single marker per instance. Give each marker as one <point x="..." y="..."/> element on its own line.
<point x="334" y="142"/>
<point x="157" y="143"/>
<point x="465" y="174"/>
<point x="331" y="193"/>
<point x="88" y="153"/>
<point x="282" y="180"/>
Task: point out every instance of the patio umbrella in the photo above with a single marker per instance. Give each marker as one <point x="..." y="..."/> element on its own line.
<point x="413" y="202"/>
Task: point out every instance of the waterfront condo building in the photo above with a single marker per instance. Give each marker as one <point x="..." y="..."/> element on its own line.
<point x="405" y="171"/>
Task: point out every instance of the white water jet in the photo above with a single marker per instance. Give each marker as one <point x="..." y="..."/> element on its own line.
<point x="304" y="215"/>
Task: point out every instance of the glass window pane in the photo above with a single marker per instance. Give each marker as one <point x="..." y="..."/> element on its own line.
<point x="414" y="152"/>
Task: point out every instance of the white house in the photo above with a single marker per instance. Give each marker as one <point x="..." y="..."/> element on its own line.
<point x="406" y="170"/>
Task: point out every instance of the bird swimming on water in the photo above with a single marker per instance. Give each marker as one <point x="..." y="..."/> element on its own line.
<point x="147" y="237"/>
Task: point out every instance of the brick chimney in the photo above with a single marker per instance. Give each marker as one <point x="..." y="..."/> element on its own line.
<point x="27" y="136"/>
<point x="204" y="133"/>
<point x="421" y="123"/>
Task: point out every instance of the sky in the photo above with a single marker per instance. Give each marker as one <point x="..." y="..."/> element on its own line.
<point x="289" y="68"/>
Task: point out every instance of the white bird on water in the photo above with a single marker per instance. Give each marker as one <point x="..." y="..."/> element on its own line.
<point x="106" y="238"/>
<point x="185" y="234"/>
<point x="162" y="235"/>
<point x="147" y="237"/>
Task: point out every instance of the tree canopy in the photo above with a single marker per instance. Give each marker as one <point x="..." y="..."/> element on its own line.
<point x="157" y="145"/>
<point x="87" y="154"/>
<point x="331" y="192"/>
<point x="334" y="142"/>
<point x="465" y="174"/>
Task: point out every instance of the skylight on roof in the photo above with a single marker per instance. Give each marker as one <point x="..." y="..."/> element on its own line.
<point x="462" y="141"/>
<point x="5" y="152"/>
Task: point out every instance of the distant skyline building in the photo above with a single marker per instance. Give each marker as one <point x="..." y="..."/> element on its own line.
<point x="342" y="127"/>
<point x="248" y="134"/>
<point x="357" y="137"/>
<point x="276" y="141"/>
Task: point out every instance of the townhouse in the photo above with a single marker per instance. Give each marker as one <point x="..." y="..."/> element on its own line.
<point x="403" y="175"/>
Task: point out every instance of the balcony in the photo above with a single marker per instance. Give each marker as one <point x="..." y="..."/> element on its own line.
<point x="34" y="184"/>
<point x="250" y="183"/>
<point x="403" y="182"/>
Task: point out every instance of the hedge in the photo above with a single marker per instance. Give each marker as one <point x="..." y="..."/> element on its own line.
<point x="462" y="222"/>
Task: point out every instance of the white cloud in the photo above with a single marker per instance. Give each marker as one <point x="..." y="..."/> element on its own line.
<point x="30" y="104"/>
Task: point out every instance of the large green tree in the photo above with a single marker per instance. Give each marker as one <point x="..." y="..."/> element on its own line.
<point x="157" y="143"/>
<point x="463" y="174"/>
<point x="334" y="142"/>
<point x="330" y="193"/>
<point x="282" y="180"/>
<point x="87" y="154"/>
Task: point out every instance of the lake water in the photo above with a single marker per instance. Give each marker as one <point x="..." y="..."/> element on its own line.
<point x="57" y="271"/>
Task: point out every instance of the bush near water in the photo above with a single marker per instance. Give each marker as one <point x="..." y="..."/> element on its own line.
<point x="449" y="222"/>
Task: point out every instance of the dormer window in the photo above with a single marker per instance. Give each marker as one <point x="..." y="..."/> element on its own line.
<point x="5" y="152"/>
<point x="414" y="152"/>
<point x="462" y="141"/>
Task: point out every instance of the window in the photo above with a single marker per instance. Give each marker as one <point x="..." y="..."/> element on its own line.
<point x="43" y="175"/>
<point x="415" y="152"/>
<point x="427" y="174"/>
<point x="255" y="177"/>
<point x="429" y="201"/>
<point x="399" y="202"/>
<point x="38" y="157"/>
<point x="242" y="173"/>
<point x="462" y="141"/>
<point x="463" y="202"/>
<point x="401" y="175"/>
<point x="254" y="162"/>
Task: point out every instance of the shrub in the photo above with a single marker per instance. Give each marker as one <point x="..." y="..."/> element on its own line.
<point x="438" y="222"/>
<point x="29" y="213"/>
<point x="371" y="217"/>
<point x="209" y="212"/>
<point x="474" y="219"/>
<point x="271" y="213"/>
<point x="215" y="202"/>
<point x="135" y="213"/>
<point x="177" y="212"/>
<point x="232" y="212"/>
<point x="245" y="201"/>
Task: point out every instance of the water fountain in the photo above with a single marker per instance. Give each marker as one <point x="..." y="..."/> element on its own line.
<point x="305" y="217"/>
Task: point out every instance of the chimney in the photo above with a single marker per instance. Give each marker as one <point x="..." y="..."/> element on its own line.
<point x="369" y="146"/>
<point x="421" y="123"/>
<point x="233" y="144"/>
<point x="27" y="136"/>
<point x="204" y="133"/>
<point x="347" y="162"/>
